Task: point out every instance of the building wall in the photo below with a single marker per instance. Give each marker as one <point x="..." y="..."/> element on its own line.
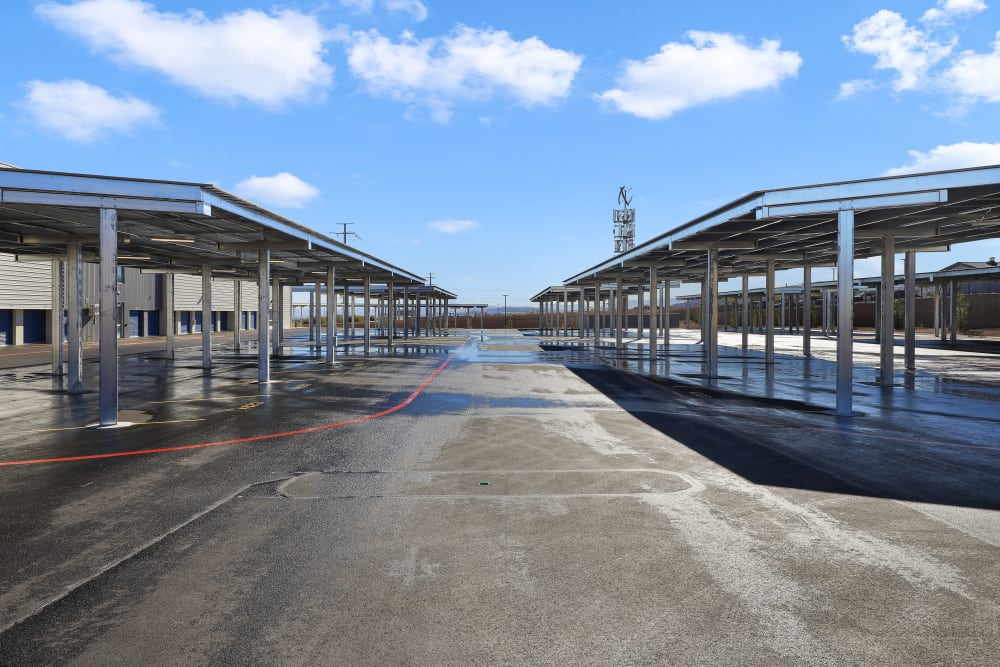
<point x="25" y="285"/>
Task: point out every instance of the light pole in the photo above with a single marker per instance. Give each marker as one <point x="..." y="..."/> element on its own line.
<point x="505" y="326"/>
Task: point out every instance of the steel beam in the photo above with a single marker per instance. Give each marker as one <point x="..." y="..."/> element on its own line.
<point x="108" y="318"/>
<point x="331" y="314"/>
<point x="276" y="315"/>
<point x="263" y="316"/>
<point x="74" y="311"/>
<point x="710" y="314"/>
<point x="206" y="317"/>
<point x="745" y="313"/>
<point x="769" y="316"/>
<point x="887" y="295"/>
<point x="237" y="312"/>
<point x="169" y="315"/>
<point x="653" y="314"/>
<point x="910" y="310"/>
<point x="390" y="312"/>
<point x="807" y="311"/>
<point x="845" y="312"/>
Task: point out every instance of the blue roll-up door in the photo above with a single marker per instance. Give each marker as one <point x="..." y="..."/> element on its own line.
<point x="223" y="321"/>
<point x="185" y="322"/>
<point x="6" y="327"/>
<point x="134" y="323"/>
<point x="154" y="324"/>
<point x="34" y="325"/>
<point x="244" y="319"/>
<point x="197" y="322"/>
<point x="253" y="320"/>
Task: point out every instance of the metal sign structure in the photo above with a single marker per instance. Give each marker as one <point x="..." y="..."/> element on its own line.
<point x="624" y="219"/>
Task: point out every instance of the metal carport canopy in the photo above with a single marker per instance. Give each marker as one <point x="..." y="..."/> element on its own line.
<point x="171" y="227"/>
<point x="817" y="225"/>
<point x="798" y="226"/>
<point x="167" y="225"/>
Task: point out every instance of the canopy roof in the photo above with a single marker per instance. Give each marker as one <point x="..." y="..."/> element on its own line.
<point x="171" y="226"/>
<point x="797" y="226"/>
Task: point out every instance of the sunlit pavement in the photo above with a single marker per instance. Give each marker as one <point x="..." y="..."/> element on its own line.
<point x="500" y="498"/>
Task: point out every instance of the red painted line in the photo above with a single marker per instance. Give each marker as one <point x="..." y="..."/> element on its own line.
<point x="236" y="441"/>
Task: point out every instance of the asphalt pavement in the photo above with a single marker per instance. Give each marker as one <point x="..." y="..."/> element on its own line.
<point x="487" y="499"/>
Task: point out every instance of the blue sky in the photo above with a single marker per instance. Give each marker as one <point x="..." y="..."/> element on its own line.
<point x="485" y="142"/>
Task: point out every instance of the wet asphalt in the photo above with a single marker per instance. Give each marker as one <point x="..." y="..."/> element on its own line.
<point x="534" y="503"/>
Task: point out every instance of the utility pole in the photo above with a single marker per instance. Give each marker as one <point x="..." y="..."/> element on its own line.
<point x="505" y="324"/>
<point x="344" y="233"/>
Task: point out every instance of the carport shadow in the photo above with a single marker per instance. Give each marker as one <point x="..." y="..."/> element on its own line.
<point x="827" y="458"/>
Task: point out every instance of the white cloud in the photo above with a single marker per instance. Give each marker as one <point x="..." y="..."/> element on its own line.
<point x="453" y="226"/>
<point x="855" y="86"/>
<point x="467" y="64"/>
<point x="414" y="8"/>
<point x="954" y="156"/>
<point x="946" y="10"/>
<point x="714" y="66"/>
<point x="84" y="112"/>
<point x="267" y="59"/>
<point x="282" y="189"/>
<point x="896" y="45"/>
<point x="975" y="76"/>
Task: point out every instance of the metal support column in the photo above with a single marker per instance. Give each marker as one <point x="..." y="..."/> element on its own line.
<point x="745" y="313"/>
<point x="910" y="310"/>
<point x="276" y="315"/>
<point x="666" y="319"/>
<point x="653" y="313"/>
<point x="206" y="317"/>
<point x="56" y="317"/>
<point x="406" y="312"/>
<point x="710" y="314"/>
<point x="108" y="397"/>
<point x="807" y="311"/>
<point x="952" y="313"/>
<point x="315" y="308"/>
<point x="845" y="312"/>
<point x="368" y="313"/>
<point x="331" y="315"/>
<point x="619" y="306"/>
<point x="581" y="310"/>
<point x="640" y="306"/>
<point x="769" y="315"/>
<point x="169" y="315"/>
<point x="887" y="289"/>
<point x="597" y="314"/>
<point x="263" y="316"/>
<point x="566" y="313"/>
<point x="238" y="312"/>
<point x="391" y="311"/>
<point x="74" y="309"/>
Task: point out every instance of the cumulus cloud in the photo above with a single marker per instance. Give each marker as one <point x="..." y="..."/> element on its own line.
<point x="947" y="10"/>
<point x="468" y="64"/>
<point x="414" y="8"/>
<point x="953" y="156"/>
<point x="912" y="52"/>
<point x="897" y="46"/>
<point x="714" y="66"/>
<point x="266" y="59"/>
<point x="453" y="226"/>
<point x="975" y="76"/>
<point x="83" y="112"/>
<point x="282" y="189"/>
